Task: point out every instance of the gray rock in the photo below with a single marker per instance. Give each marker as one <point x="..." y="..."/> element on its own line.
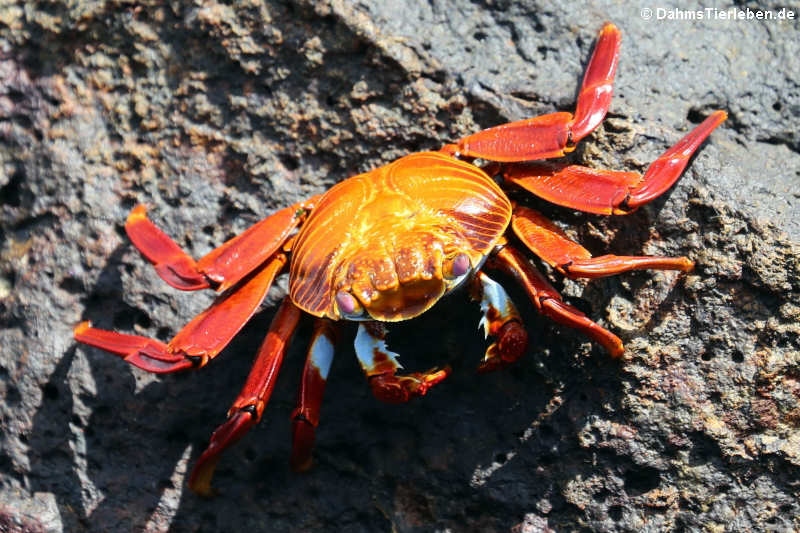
<point x="217" y="115"/>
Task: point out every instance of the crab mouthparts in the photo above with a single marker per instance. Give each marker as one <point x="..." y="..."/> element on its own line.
<point x="390" y="304"/>
<point x="406" y="301"/>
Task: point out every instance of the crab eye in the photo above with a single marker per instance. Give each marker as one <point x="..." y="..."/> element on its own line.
<point x="348" y="305"/>
<point x="458" y="266"/>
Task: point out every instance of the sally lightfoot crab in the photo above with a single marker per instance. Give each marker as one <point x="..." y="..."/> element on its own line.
<point x="386" y="245"/>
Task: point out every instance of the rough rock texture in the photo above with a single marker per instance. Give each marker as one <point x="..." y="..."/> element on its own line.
<point x="216" y="115"/>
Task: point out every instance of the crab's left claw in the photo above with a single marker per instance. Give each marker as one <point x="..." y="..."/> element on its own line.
<point x="391" y="388"/>
<point x="511" y="343"/>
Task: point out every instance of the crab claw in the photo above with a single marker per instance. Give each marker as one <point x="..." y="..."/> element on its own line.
<point x="500" y="320"/>
<point x="512" y="341"/>
<point x="391" y="388"/>
<point x="381" y="365"/>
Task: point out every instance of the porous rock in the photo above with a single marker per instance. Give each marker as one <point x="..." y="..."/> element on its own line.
<point x="217" y="114"/>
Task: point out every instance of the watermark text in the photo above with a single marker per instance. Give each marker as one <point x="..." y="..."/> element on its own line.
<point x="713" y="13"/>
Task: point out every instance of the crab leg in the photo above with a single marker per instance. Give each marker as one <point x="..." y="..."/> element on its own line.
<point x="381" y="366"/>
<point x="200" y="340"/>
<point x="554" y="134"/>
<point x="550" y="243"/>
<point x="548" y="301"/>
<point x="224" y="266"/>
<point x="305" y="417"/>
<point x="609" y="192"/>
<point x="501" y="320"/>
<point x="249" y="405"/>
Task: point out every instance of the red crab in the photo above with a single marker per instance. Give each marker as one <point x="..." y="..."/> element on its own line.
<point x="386" y="245"/>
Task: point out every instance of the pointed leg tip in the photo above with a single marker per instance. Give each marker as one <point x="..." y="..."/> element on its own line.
<point x="200" y="478"/>
<point x="609" y="28"/>
<point x="713" y="120"/>
<point x="616" y="350"/>
<point x="203" y="488"/>
<point x="81" y="328"/>
<point x="138" y="212"/>
<point x="609" y="341"/>
<point x="303" y="436"/>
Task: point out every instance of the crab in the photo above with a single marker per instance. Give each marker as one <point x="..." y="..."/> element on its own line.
<point x="386" y="245"/>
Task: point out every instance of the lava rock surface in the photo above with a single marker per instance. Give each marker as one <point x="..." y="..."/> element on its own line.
<point x="217" y="114"/>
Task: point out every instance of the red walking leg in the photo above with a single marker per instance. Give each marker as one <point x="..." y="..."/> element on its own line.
<point x="548" y="301"/>
<point x="249" y="405"/>
<point x="609" y="192"/>
<point x="555" y="134"/>
<point x="200" y="340"/>
<point x="552" y="245"/>
<point x="224" y="266"/>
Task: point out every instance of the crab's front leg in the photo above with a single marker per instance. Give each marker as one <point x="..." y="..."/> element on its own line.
<point x="500" y="320"/>
<point x="381" y="365"/>
<point x="554" y="134"/>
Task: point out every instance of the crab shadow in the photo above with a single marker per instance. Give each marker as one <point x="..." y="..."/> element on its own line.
<point x="466" y="455"/>
<point x="461" y="455"/>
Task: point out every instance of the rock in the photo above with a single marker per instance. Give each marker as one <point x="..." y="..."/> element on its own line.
<point x="217" y="115"/>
